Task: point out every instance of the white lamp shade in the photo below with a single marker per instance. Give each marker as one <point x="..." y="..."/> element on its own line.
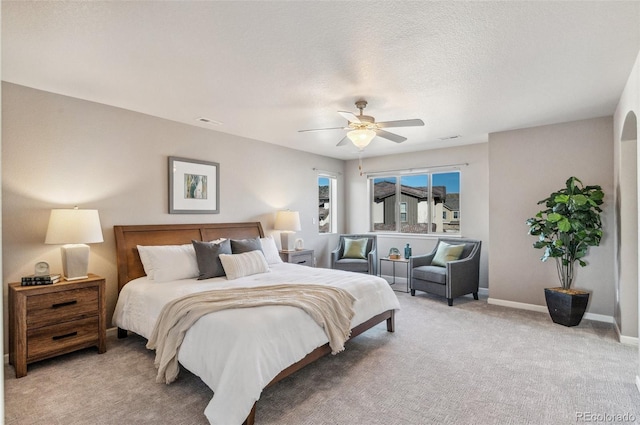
<point x="287" y="220"/>
<point x="361" y="138"/>
<point x="73" y="226"/>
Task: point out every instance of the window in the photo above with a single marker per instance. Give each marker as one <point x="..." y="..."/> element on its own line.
<point x="326" y="204"/>
<point x="416" y="203"/>
<point x="403" y="211"/>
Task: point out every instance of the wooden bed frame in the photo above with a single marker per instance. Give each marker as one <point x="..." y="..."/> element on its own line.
<point x="130" y="267"/>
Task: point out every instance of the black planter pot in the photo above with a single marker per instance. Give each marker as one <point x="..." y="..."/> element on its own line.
<point x="566" y="306"/>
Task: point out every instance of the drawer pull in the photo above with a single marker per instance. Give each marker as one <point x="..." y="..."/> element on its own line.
<point x="302" y="262"/>
<point x="64" y="304"/>
<point x="55" y="338"/>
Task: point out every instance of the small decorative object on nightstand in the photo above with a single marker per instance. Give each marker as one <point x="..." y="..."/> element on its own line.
<point x="394" y="254"/>
<point x="46" y="321"/>
<point x="302" y="256"/>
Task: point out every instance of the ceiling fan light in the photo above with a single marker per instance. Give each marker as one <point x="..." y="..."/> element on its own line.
<point x="361" y="138"/>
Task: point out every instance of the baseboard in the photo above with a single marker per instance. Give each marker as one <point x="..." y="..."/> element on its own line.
<point x="514" y="304"/>
<point x="543" y="309"/>
<point x="403" y="281"/>
<point x="627" y="340"/>
<point x="599" y="317"/>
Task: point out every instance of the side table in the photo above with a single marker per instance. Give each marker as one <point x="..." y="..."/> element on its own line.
<point x="49" y="320"/>
<point x="400" y="260"/>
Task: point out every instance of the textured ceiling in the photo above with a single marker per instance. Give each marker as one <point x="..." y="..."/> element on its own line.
<point x="268" y="69"/>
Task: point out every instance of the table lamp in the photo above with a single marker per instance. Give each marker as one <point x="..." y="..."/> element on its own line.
<point x="289" y="223"/>
<point x="75" y="228"/>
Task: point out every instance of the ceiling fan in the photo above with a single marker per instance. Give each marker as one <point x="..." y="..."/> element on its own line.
<point x="363" y="128"/>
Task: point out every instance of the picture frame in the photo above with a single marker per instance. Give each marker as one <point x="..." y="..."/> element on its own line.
<point x="194" y="186"/>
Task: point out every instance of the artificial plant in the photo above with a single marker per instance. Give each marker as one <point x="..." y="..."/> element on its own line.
<point x="568" y="226"/>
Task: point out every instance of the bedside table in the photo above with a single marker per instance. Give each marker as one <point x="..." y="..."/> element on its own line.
<point x="48" y="320"/>
<point x="303" y="257"/>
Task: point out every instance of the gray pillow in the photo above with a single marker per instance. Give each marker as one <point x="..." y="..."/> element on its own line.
<point x="238" y="246"/>
<point x="208" y="257"/>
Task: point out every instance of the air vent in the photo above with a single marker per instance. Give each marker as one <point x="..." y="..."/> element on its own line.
<point x="209" y="121"/>
<point x="449" y="138"/>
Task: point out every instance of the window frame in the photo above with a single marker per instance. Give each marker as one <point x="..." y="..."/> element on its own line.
<point x="333" y="207"/>
<point x="397" y="177"/>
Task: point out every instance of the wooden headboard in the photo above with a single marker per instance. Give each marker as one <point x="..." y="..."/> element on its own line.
<point x="128" y="237"/>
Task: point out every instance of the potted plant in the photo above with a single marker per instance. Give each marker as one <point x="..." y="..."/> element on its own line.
<point x="566" y="229"/>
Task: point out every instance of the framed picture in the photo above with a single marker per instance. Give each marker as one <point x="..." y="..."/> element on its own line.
<point x="194" y="186"/>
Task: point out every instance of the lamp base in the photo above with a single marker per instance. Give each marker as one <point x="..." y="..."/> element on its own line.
<point x="287" y="240"/>
<point x="75" y="261"/>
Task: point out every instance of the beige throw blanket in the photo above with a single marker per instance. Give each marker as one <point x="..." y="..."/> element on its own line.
<point x="330" y="307"/>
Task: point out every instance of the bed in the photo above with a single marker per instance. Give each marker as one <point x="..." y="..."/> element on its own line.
<point x="238" y="352"/>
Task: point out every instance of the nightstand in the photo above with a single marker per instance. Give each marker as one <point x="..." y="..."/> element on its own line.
<point x="303" y="257"/>
<point x="50" y="320"/>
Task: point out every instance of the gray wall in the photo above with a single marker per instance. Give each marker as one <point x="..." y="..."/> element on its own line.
<point x="526" y="166"/>
<point x="58" y="152"/>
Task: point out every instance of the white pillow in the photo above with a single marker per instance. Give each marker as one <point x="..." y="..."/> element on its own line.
<point x="169" y="262"/>
<point x="270" y="251"/>
<point x="245" y="264"/>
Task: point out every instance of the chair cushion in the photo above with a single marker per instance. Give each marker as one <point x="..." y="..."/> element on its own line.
<point x="352" y="265"/>
<point x="446" y="253"/>
<point x="355" y="248"/>
<point x="431" y="273"/>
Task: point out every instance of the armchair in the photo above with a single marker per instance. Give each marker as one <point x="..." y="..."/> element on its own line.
<point x="366" y="264"/>
<point x="458" y="277"/>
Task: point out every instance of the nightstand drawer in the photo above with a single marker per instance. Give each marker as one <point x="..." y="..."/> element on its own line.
<point x="61" y="338"/>
<point x="305" y="259"/>
<point x="62" y="306"/>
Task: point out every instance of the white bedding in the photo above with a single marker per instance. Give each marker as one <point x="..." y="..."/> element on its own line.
<point x="238" y="352"/>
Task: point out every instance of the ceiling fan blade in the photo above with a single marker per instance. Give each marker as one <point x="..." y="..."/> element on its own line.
<point x="401" y="123"/>
<point x="344" y="141"/>
<point x="321" y="129"/>
<point x="390" y="136"/>
<point x="349" y="116"/>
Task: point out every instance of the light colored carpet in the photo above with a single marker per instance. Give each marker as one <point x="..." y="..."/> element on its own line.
<point x="472" y="363"/>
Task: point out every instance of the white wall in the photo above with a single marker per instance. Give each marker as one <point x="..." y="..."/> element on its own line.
<point x="58" y="152"/>
<point x="474" y="196"/>
<point x="526" y="166"/>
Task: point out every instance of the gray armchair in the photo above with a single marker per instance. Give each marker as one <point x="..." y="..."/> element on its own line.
<point x="366" y="265"/>
<point x="459" y="277"/>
